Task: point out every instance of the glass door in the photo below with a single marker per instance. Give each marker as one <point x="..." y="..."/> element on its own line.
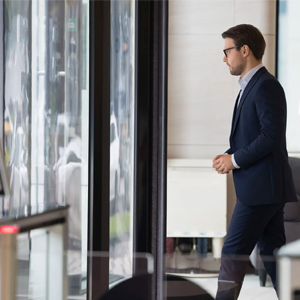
<point x="46" y="115"/>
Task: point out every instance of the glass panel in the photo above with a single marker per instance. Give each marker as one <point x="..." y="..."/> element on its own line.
<point x="37" y="275"/>
<point x="288" y="67"/>
<point x="47" y="114"/>
<point x="122" y="137"/>
<point x="23" y="259"/>
<point x="40" y="261"/>
<point x="143" y="262"/>
<point x="17" y="93"/>
<point x="187" y="263"/>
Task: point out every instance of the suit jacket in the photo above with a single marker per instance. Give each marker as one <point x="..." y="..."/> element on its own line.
<point x="258" y="142"/>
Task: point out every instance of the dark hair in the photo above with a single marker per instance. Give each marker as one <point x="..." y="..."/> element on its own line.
<point x="246" y="34"/>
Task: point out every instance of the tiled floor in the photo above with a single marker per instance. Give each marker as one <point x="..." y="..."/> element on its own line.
<point x="251" y="289"/>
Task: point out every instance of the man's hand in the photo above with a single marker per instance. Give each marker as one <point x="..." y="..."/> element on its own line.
<point x="223" y="163"/>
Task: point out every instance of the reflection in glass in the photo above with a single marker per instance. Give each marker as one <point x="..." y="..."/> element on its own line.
<point x="121" y="138"/>
<point x="17" y="96"/>
<point x="46" y="113"/>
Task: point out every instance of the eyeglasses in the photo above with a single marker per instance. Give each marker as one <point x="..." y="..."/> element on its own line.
<point x="225" y="50"/>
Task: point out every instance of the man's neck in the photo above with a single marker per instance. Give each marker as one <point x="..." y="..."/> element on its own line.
<point x="250" y="66"/>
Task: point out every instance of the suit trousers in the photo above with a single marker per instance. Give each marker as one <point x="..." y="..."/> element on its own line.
<point x="250" y="225"/>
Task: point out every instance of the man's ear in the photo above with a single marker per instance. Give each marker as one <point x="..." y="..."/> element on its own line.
<point x="245" y="50"/>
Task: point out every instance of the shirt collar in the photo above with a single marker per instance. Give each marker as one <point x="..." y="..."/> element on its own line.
<point x="245" y="80"/>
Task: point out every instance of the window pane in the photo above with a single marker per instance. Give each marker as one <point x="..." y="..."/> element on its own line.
<point x="47" y="114"/>
<point x="17" y="93"/>
<point x="122" y="137"/>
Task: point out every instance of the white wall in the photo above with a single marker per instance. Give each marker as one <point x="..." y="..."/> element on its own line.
<point x="201" y="90"/>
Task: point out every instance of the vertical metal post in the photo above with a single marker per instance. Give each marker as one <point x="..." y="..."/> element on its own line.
<point x="99" y="148"/>
<point x="8" y="262"/>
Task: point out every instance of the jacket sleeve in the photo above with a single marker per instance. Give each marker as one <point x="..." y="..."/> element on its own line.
<point x="270" y="105"/>
<point x="229" y="151"/>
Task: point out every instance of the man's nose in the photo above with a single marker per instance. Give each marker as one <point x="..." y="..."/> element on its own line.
<point x="224" y="58"/>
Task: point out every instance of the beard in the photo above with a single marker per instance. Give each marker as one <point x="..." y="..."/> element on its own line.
<point x="238" y="70"/>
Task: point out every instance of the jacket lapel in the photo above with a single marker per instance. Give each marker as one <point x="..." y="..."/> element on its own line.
<point x="244" y="96"/>
<point x="235" y="109"/>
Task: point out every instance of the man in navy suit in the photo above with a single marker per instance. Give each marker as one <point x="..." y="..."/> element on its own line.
<point x="259" y="160"/>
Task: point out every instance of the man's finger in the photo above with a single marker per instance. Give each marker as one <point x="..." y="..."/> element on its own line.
<point x="220" y="165"/>
<point x="218" y="156"/>
<point x="223" y="172"/>
<point x="216" y="163"/>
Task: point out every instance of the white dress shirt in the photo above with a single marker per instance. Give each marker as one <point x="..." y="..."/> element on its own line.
<point x="243" y="81"/>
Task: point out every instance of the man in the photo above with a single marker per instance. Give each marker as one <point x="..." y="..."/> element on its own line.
<point x="258" y="158"/>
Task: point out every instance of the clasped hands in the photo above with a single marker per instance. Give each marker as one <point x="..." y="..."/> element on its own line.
<point x="223" y="163"/>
